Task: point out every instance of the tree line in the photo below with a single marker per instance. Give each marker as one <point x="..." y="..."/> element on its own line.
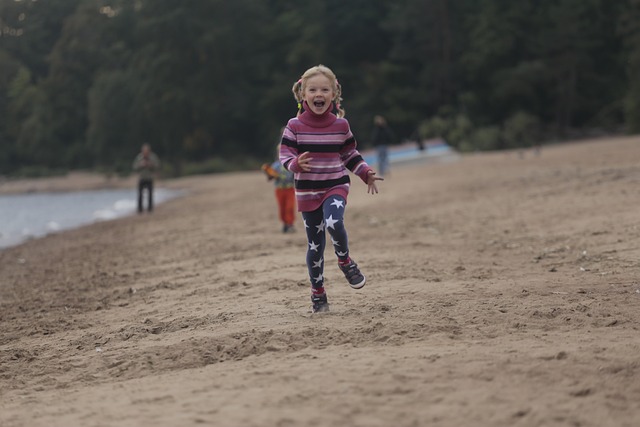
<point x="83" y="83"/>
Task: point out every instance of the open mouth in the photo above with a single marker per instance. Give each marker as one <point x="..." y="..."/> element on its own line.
<point x="318" y="104"/>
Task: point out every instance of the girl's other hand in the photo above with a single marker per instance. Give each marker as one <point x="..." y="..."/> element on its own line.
<point x="372" y="188"/>
<point x="304" y="161"/>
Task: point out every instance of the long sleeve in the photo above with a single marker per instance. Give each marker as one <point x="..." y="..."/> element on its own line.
<point x="352" y="159"/>
<point x="289" y="150"/>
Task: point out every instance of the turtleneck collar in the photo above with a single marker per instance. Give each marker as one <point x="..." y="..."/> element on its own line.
<point x="312" y="119"/>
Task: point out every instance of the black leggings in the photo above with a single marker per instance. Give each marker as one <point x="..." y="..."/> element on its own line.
<point x="148" y="185"/>
<point x="329" y="217"/>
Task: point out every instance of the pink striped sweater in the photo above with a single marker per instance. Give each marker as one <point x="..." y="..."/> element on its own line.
<point x="333" y="150"/>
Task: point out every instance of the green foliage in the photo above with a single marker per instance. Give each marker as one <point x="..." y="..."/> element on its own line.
<point x="38" y="172"/>
<point x="630" y="28"/>
<point x="37" y="27"/>
<point x="456" y="129"/>
<point x="110" y="112"/>
<point x="632" y="109"/>
<point x="484" y="139"/>
<point x="83" y="83"/>
<point x="9" y="69"/>
<point x="521" y="130"/>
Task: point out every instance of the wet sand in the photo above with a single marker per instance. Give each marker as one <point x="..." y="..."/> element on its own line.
<point x="502" y="291"/>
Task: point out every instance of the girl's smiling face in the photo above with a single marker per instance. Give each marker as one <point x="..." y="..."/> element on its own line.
<point x="318" y="92"/>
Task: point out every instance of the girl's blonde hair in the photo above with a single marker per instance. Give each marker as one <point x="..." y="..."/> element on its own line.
<point x="299" y="86"/>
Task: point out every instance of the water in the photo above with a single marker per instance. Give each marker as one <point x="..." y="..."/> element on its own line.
<point x="27" y="216"/>
<point x="436" y="149"/>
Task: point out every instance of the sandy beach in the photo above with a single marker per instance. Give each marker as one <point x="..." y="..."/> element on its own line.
<point x="501" y="291"/>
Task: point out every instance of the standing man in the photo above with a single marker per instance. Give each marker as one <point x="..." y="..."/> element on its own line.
<point x="146" y="164"/>
<point x="381" y="138"/>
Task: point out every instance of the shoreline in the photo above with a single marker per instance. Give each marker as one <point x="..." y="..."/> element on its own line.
<point x="34" y="215"/>
<point x="82" y="180"/>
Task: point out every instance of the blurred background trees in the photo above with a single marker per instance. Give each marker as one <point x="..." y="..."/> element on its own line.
<point x="83" y="83"/>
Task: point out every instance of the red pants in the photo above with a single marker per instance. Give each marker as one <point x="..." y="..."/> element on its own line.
<point x="286" y="198"/>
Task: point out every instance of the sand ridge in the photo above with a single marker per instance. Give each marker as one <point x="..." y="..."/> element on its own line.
<point x="502" y="291"/>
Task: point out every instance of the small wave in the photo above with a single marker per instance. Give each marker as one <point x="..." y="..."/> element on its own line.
<point x="105" y="215"/>
<point x="124" y="205"/>
<point x="120" y="208"/>
<point x="53" y="226"/>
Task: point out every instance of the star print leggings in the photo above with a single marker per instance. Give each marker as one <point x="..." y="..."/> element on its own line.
<point x="329" y="217"/>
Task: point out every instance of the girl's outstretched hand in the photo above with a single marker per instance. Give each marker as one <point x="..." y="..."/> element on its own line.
<point x="372" y="188"/>
<point x="304" y="161"/>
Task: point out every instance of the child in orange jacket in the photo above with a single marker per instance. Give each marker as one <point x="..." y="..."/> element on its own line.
<point x="285" y="193"/>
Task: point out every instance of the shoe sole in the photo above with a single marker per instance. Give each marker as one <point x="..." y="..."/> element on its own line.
<point x="359" y="285"/>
